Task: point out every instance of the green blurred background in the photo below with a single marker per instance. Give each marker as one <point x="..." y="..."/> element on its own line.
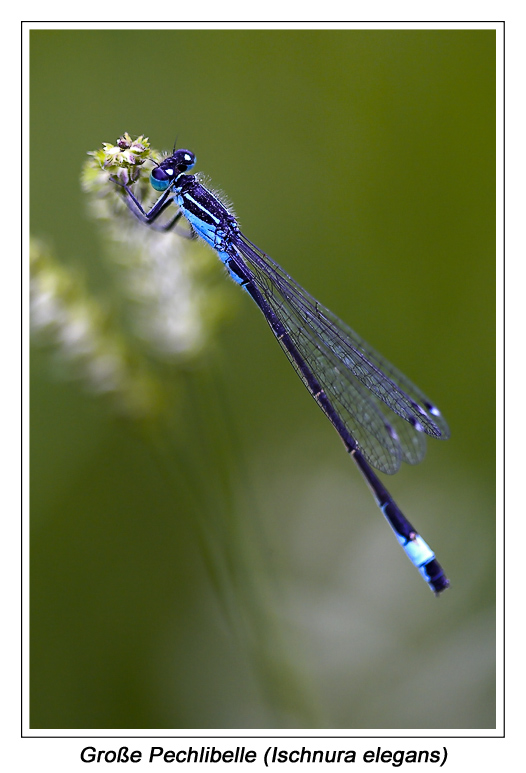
<point x="364" y="163"/>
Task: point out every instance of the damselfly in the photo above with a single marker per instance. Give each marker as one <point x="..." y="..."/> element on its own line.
<point x="379" y="414"/>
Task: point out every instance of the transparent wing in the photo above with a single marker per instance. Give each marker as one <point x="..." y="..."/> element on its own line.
<point x="358" y="381"/>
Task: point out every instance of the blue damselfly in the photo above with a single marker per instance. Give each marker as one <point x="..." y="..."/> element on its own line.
<point x="381" y="416"/>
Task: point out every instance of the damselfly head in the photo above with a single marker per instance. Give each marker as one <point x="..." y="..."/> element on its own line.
<point x="168" y="170"/>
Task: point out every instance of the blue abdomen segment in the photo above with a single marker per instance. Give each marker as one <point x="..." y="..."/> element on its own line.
<point x="420" y="554"/>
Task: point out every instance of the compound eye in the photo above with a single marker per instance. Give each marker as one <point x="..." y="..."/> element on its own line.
<point x="184" y="160"/>
<point x="161" y="178"/>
